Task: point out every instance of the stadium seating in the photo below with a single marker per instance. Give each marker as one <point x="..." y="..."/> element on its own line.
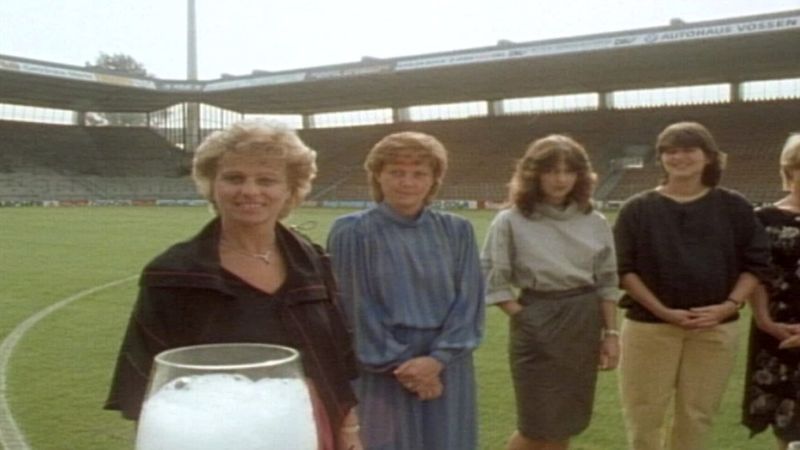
<point x="50" y="162"/>
<point x="54" y="162"/>
<point x="751" y="134"/>
<point x="482" y="152"/>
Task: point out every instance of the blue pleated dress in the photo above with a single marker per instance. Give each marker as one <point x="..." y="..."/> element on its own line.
<point x="411" y="287"/>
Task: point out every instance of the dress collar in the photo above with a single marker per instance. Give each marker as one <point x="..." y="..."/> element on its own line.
<point x="551" y="212"/>
<point x="387" y="211"/>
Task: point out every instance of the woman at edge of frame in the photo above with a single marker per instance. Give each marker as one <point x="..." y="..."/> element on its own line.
<point x="773" y="360"/>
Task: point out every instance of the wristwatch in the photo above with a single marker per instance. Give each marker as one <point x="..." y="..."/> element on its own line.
<point x="739" y="303"/>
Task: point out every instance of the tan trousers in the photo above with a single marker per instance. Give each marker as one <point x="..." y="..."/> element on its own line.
<point x="662" y="362"/>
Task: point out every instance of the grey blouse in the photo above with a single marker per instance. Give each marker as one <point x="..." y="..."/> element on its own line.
<point x="551" y="250"/>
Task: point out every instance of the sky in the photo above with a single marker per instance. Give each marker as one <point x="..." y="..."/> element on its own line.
<point x="239" y="36"/>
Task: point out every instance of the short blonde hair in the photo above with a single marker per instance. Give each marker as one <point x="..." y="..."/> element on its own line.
<point x="398" y="145"/>
<point x="790" y="160"/>
<point x="258" y="138"/>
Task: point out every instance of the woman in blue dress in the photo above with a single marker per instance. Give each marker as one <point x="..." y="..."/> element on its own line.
<point x="412" y="289"/>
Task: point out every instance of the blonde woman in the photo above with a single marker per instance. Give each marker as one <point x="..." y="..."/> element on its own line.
<point x="246" y="277"/>
<point x="773" y="363"/>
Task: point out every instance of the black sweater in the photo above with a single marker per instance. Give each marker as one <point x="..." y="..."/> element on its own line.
<point x="688" y="254"/>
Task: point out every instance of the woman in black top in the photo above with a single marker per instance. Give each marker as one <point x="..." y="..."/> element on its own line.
<point x="689" y="253"/>
<point x="246" y="278"/>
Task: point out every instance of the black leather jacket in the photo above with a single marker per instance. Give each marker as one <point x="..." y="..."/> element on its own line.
<point x="186" y="299"/>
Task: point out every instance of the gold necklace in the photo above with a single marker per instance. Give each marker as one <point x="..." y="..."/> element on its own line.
<point x="266" y="257"/>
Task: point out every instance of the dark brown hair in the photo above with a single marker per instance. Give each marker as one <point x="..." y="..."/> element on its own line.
<point x="693" y="134"/>
<point x="542" y="156"/>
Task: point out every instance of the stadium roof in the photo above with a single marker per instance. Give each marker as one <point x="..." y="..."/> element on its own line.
<point x="729" y="50"/>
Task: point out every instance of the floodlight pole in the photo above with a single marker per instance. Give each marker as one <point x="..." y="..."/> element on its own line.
<point x="191" y="40"/>
<point x="192" y="116"/>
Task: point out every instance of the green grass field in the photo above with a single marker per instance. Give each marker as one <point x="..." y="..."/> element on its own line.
<point x="60" y="369"/>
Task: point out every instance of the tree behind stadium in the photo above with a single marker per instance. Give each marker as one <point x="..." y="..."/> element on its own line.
<point x="124" y="65"/>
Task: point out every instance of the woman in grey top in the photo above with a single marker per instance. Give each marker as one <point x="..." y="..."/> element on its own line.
<point x="552" y="247"/>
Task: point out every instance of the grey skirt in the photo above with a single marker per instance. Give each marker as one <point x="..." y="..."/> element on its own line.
<point x="554" y="347"/>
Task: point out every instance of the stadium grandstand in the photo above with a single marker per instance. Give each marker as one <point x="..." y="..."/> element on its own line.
<point x="613" y="92"/>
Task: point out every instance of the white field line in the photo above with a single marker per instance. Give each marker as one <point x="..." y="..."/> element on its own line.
<point x="11" y="438"/>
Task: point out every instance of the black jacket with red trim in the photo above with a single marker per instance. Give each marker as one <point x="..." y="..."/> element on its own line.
<point x="184" y="300"/>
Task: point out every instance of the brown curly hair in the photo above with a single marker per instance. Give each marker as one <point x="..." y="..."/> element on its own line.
<point x="542" y="156"/>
